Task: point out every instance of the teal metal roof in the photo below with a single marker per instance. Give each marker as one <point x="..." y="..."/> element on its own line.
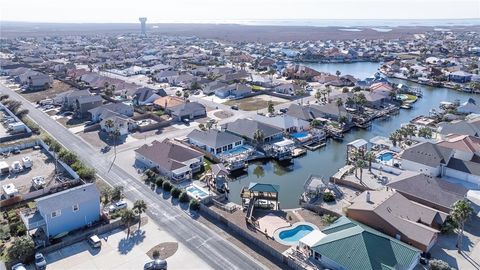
<point x="361" y="247"/>
<point x="259" y="187"/>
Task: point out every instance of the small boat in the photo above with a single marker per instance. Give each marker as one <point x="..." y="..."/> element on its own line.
<point x="406" y="106"/>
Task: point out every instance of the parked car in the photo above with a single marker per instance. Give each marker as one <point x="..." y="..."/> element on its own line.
<point x="234" y="107"/>
<point x="19" y="266"/>
<point x="94" y="241"/>
<point x="186" y="121"/>
<point x="284" y="110"/>
<point x="16" y="150"/>
<point x="40" y="262"/>
<point x="117" y="206"/>
<point x="156" y="265"/>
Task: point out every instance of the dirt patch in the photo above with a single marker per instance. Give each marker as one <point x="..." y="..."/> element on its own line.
<point x="255" y="103"/>
<point x="57" y="88"/>
<point x="222" y="114"/>
<point x="165" y="250"/>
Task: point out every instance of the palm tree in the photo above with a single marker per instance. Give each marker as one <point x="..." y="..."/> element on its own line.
<point x="115" y="134"/>
<point x="318" y="95"/>
<point x="140" y="207"/>
<point x="328" y="90"/>
<point x="370" y="157"/>
<point x="395" y="137"/>
<point x="339" y="103"/>
<point x="425" y="132"/>
<point x="360" y="164"/>
<point x="127" y="218"/>
<point x="461" y="211"/>
<point x="105" y="194"/>
<point x="338" y="73"/>
<point x="258" y="136"/>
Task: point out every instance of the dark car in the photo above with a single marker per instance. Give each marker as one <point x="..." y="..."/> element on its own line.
<point x="284" y="110"/>
<point x="234" y="107"/>
<point x="156" y="265"/>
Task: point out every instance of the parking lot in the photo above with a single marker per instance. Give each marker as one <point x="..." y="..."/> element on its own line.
<point x="118" y="252"/>
<point x="43" y="165"/>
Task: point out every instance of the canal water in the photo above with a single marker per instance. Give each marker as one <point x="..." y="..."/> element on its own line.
<point x="327" y="160"/>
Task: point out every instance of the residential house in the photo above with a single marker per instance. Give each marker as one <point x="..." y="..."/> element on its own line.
<point x="65" y="211"/>
<point x="395" y="215"/>
<point x="68" y="99"/>
<point x="234" y="91"/>
<point x="84" y="104"/>
<point x="460" y="77"/>
<point x="187" y="110"/>
<point x="146" y="96"/>
<point x="347" y="244"/>
<point x="211" y="87"/>
<point x="285" y="122"/>
<point x="430" y="191"/>
<point x="288" y="89"/>
<point x="468" y="107"/>
<point x="171" y="159"/>
<point x="120" y="122"/>
<point x="39" y="81"/>
<point x="215" y="141"/>
<point x="101" y="112"/>
<point x="247" y="128"/>
<point x="168" y="102"/>
<point x="466" y="127"/>
<point x="426" y="157"/>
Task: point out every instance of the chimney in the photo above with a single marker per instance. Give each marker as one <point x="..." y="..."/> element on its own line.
<point x="368" y="196"/>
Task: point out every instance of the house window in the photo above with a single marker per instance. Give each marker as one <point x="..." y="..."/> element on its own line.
<point x="75" y="207"/>
<point x="56" y="213"/>
<point x="225" y="148"/>
<point x="238" y="143"/>
<point x="230" y="147"/>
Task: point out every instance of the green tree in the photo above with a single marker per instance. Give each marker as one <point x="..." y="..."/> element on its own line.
<point x="106" y="194"/>
<point x="22" y="248"/>
<point x="315" y="123"/>
<point x="178" y="93"/>
<point x="139" y="206"/>
<point x="370" y="157"/>
<point x="338" y="73"/>
<point x="127" y="217"/>
<point x="460" y="213"/>
<point x="258" y="136"/>
<point x="117" y="193"/>
<point x="425" y="132"/>
<point x="271" y="108"/>
<point x="318" y="95"/>
<point x="359" y="165"/>
<point x="339" y="103"/>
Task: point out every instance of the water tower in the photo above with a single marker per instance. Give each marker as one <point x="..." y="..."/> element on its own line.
<point x="143" y="22"/>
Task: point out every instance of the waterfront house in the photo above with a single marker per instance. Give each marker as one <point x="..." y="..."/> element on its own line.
<point x="426" y="157"/>
<point x="120" y="122"/>
<point x="215" y="141"/>
<point x="347" y="244"/>
<point x="247" y="128"/>
<point x="460" y="77"/>
<point x="65" y="211"/>
<point x="188" y="110"/>
<point x="430" y="191"/>
<point x="395" y="215"/>
<point x="466" y="127"/>
<point x="469" y="106"/>
<point x="211" y="87"/>
<point x="100" y="112"/>
<point x="171" y="159"/>
<point x="285" y="122"/>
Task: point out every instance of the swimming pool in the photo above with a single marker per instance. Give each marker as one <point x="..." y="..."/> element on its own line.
<point x="196" y="192"/>
<point x="387" y="156"/>
<point x="291" y="236"/>
<point x="300" y="135"/>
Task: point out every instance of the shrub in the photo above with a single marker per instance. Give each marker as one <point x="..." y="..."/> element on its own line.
<point x="159" y="181"/>
<point x="328" y="197"/>
<point x="438" y="265"/>
<point x="328" y="219"/>
<point x="22" y="248"/>
<point x="68" y="157"/>
<point x="176" y="192"/>
<point x="87" y="174"/>
<point x="194" y="205"/>
<point x="184" y="197"/>
<point x="77" y="165"/>
<point x="167" y="186"/>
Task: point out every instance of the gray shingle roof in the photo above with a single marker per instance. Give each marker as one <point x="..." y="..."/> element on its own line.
<point x="248" y="127"/>
<point x="469" y="167"/>
<point x="427" y="153"/>
<point x="68" y="197"/>
<point x="167" y="154"/>
<point x="213" y="138"/>
<point x="430" y="189"/>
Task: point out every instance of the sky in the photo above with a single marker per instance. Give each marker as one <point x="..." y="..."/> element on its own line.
<point x="158" y="11"/>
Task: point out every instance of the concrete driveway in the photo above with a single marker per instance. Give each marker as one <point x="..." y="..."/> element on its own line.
<point x="118" y="252"/>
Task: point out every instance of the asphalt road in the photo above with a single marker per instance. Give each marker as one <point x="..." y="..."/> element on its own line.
<point x="209" y="246"/>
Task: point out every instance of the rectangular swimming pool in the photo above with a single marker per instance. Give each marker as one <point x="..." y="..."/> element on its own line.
<point x="196" y="192"/>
